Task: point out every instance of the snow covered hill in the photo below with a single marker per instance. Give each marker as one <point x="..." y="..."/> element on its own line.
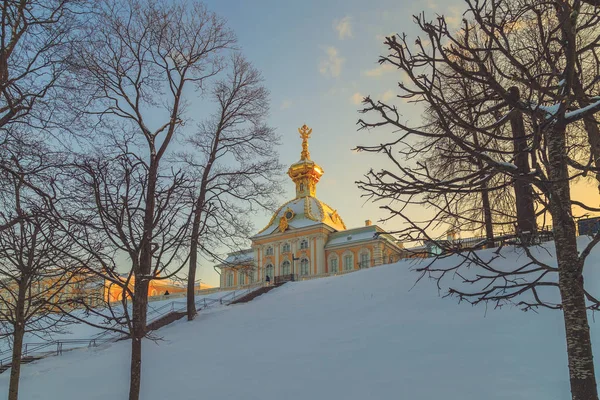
<point x="365" y="335"/>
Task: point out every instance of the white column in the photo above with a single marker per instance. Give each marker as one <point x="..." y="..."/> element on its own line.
<point x="313" y="256"/>
<point x="321" y="241"/>
<point x="276" y="271"/>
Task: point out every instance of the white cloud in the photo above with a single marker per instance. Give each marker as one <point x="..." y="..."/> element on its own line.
<point x="388" y="94"/>
<point x="453" y="17"/>
<point x="332" y="65"/>
<point x="357" y="98"/>
<point x="285" y="104"/>
<point x="343" y="27"/>
<point x="380" y="70"/>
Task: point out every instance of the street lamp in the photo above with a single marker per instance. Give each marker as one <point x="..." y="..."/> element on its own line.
<point x="294" y="259"/>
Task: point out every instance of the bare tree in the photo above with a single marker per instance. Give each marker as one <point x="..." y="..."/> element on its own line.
<point x="34" y="38"/>
<point x="34" y="275"/>
<point x="137" y="66"/>
<point x="234" y="154"/>
<point x="518" y="79"/>
<point x="34" y="44"/>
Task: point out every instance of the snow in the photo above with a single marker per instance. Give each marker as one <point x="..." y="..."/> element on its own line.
<point x="352" y="236"/>
<point x="576" y="113"/>
<point x="321" y="214"/>
<point x="365" y="335"/>
<point x="240" y="257"/>
<point x="551" y="110"/>
<point x="507" y="165"/>
<point x="80" y="330"/>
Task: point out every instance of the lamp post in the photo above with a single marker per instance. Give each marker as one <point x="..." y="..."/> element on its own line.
<point x="294" y="259"/>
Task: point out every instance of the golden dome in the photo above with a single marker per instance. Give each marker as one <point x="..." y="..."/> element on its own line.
<point x="304" y="211"/>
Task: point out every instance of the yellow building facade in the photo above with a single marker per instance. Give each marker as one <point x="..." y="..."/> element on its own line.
<point x="156" y="287"/>
<point x="307" y="238"/>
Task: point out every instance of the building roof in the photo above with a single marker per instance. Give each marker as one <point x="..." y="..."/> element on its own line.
<point x="357" y="235"/>
<point x="240" y="257"/>
<point x="307" y="211"/>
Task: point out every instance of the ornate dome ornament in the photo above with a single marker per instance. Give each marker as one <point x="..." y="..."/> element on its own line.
<point x="289" y="214"/>
<point x="305" y="173"/>
<point x="305" y="209"/>
<point x="283" y="224"/>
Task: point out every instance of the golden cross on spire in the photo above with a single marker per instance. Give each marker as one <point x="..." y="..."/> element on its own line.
<point x="305" y="132"/>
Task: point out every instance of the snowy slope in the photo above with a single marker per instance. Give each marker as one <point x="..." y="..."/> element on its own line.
<point x="365" y="335"/>
<point x="80" y="330"/>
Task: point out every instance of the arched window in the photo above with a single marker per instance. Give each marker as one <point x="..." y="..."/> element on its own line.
<point x="269" y="251"/>
<point x="302" y="187"/>
<point x="365" y="259"/>
<point x="269" y="271"/>
<point x="229" y="282"/>
<point x="304" y="244"/>
<point x="304" y="267"/>
<point x="241" y="280"/>
<point x="333" y="265"/>
<point x="348" y="262"/>
<point x="250" y="277"/>
<point x="285" y="268"/>
<point x="285" y="248"/>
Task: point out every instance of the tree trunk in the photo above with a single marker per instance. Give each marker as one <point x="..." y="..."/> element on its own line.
<point x="191" y="294"/>
<point x="142" y="274"/>
<point x="487" y="218"/>
<point x="19" y="333"/>
<point x="199" y="207"/>
<point x="191" y="304"/>
<point x="579" y="347"/>
<point x="136" y="368"/>
<point x="140" y="309"/>
<point x="523" y="193"/>
<point x="485" y="202"/>
<point x="591" y="126"/>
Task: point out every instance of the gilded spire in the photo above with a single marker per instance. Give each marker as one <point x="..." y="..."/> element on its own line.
<point x="305" y="132"/>
<point x="305" y="173"/>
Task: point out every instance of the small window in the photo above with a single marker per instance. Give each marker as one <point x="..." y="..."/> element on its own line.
<point x="304" y="244"/>
<point x="333" y="265"/>
<point x="286" y="248"/>
<point x="229" y="282"/>
<point x="304" y="267"/>
<point x="250" y="277"/>
<point x="348" y="262"/>
<point x="364" y="260"/>
<point x="269" y="251"/>
<point x="241" y="279"/>
<point x="269" y="271"/>
<point x="302" y="187"/>
<point x="285" y="268"/>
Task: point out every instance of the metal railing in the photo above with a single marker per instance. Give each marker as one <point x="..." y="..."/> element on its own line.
<point x="56" y="347"/>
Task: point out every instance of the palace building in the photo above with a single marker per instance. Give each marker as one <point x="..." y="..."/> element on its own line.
<point x="306" y="237"/>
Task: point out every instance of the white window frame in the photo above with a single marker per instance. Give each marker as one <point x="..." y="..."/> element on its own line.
<point x="269" y="270"/>
<point x="286" y="248"/>
<point x="241" y="279"/>
<point x="229" y="279"/>
<point x="348" y="266"/>
<point x="334" y="261"/>
<point x="285" y="264"/>
<point x="304" y="267"/>
<point x="304" y="244"/>
<point x="365" y="259"/>
<point x="269" y="251"/>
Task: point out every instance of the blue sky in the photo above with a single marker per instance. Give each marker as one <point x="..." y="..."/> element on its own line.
<point x="318" y="59"/>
